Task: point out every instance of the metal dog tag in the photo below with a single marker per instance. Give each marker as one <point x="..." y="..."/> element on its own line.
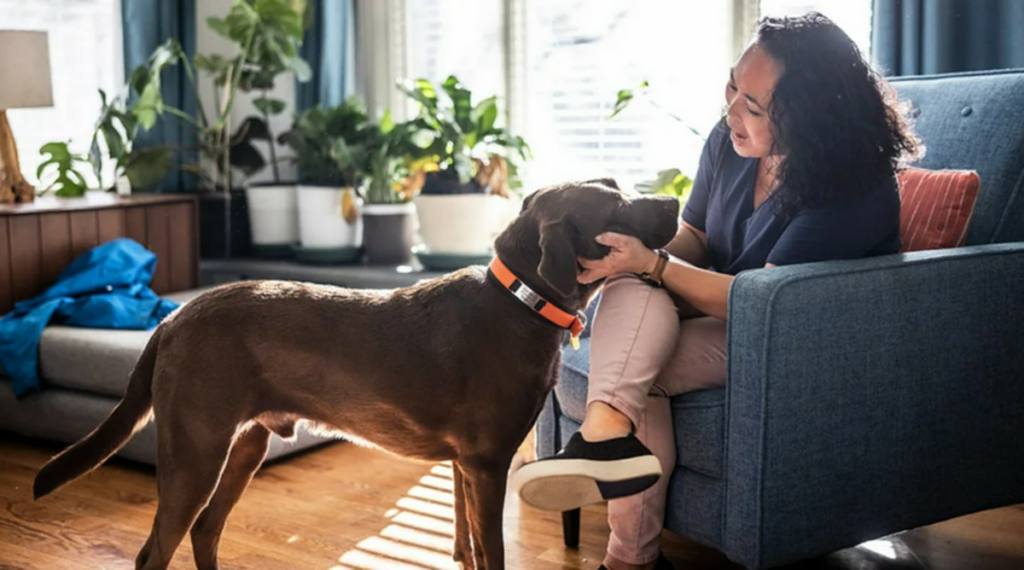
<point x="526" y="295"/>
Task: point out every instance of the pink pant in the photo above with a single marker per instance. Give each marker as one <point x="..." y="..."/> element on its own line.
<point x="640" y="355"/>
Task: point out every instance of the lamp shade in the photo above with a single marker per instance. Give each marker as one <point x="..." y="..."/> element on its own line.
<point x="24" y="70"/>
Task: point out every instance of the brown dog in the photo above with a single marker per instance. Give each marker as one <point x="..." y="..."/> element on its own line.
<point x="455" y="368"/>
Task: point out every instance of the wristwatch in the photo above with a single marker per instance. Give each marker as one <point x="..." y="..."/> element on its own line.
<point x="654" y="277"/>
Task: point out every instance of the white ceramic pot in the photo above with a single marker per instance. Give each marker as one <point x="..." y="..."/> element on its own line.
<point x="463" y="223"/>
<point x="321" y="220"/>
<point x="273" y="214"/>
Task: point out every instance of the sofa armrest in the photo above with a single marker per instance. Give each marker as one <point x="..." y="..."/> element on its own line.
<point x="871" y="396"/>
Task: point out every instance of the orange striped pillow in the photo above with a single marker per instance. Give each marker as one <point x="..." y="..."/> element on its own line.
<point x="935" y="206"/>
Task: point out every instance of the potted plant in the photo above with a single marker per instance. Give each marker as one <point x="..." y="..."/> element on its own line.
<point x="267" y="33"/>
<point x="113" y="140"/>
<point x="272" y="206"/>
<point x="466" y="200"/>
<point x="397" y="168"/>
<point x="331" y="147"/>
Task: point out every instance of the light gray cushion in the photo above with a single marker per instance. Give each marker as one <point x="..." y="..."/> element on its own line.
<point x="67" y="416"/>
<point x="95" y="360"/>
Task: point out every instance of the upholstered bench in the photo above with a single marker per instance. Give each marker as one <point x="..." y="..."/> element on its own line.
<point x="85" y="372"/>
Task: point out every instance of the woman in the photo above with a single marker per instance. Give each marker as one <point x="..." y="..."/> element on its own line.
<point x="801" y="168"/>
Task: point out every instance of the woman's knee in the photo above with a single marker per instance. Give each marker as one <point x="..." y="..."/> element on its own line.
<point x="637" y="317"/>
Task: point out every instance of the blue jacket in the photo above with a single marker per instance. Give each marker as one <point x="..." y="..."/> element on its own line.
<point x="106" y="287"/>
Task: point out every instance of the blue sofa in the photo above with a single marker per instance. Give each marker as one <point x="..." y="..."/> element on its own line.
<point x="864" y="397"/>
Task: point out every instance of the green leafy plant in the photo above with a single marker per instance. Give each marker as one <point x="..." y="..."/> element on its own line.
<point x="669" y="182"/>
<point x="332" y="145"/>
<point x="463" y="138"/>
<point x="69" y="182"/>
<point x="133" y="110"/>
<point x="117" y="127"/>
<point x="275" y="28"/>
<point x="276" y="33"/>
<point x="267" y="33"/>
<point x="397" y="164"/>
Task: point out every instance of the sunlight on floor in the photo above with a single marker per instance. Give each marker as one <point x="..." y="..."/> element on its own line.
<point x="420" y="530"/>
<point x="880" y="547"/>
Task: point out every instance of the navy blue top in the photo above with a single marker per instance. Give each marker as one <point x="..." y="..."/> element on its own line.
<point x="740" y="237"/>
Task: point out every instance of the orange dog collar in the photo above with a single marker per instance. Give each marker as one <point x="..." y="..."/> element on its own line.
<point x="574" y="323"/>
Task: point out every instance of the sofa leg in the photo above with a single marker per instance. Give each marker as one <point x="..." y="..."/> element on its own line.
<point x="571" y="528"/>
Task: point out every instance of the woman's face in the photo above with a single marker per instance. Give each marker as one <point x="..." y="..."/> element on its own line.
<point x="747" y="97"/>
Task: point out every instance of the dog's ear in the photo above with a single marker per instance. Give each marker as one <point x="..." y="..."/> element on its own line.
<point x="609" y="182"/>
<point x="557" y="258"/>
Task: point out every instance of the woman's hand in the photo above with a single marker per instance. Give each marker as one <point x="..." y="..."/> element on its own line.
<point x="628" y="255"/>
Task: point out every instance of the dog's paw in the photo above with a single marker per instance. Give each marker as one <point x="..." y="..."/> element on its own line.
<point x="462" y="558"/>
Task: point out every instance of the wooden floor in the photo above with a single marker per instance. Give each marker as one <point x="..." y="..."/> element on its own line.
<point x="345" y="507"/>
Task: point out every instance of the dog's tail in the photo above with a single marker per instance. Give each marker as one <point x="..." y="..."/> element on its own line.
<point x="131" y="415"/>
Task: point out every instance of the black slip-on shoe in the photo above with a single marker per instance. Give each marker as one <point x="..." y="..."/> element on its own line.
<point x="661" y="564"/>
<point x="584" y="473"/>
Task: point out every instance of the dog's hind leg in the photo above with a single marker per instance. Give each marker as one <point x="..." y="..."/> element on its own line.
<point x="485" y="484"/>
<point x="190" y="458"/>
<point x="247" y="454"/>
<point x="463" y="552"/>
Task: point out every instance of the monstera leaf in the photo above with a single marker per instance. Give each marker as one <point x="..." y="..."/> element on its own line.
<point x="69" y="182"/>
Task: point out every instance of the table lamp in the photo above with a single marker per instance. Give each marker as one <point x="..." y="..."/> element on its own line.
<point x="24" y="82"/>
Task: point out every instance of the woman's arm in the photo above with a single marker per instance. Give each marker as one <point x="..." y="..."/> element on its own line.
<point x="690" y="245"/>
<point x="706" y="291"/>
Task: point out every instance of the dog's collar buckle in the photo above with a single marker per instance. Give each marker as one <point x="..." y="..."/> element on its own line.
<point x="575" y="323"/>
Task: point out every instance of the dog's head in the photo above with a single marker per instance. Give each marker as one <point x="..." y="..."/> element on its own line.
<point x="559" y="223"/>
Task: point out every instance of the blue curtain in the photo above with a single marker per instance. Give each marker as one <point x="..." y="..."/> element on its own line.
<point x="146" y="25"/>
<point x="329" y="48"/>
<point x="913" y="37"/>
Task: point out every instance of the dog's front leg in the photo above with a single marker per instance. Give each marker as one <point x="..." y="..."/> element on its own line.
<point x="463" y="553"/>
<point x="484" y="484"/>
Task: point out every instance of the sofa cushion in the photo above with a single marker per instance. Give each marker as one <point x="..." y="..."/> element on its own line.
<point x="571" y="390"/>
<point x="698" y="419"/>
<point x="971" y="121"/>
<point x="98" y="361"/>
<point x="935" y="208"/>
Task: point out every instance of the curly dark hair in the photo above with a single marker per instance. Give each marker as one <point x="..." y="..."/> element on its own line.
<point x="837" y="122"/>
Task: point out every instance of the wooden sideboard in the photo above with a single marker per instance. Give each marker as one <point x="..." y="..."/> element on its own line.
<point x="38" y="240"/>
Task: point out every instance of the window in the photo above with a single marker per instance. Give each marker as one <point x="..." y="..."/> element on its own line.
<point x="853" y="16"/>
<point x="85" y="56"/>
<point x="457" y="37"/>
<point x="579" y="54"/>
<point x="567" y="60"/>
<point x="562" y="62"/>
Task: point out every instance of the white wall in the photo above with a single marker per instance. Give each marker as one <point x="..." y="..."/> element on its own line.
<point x="209" y="42"/>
